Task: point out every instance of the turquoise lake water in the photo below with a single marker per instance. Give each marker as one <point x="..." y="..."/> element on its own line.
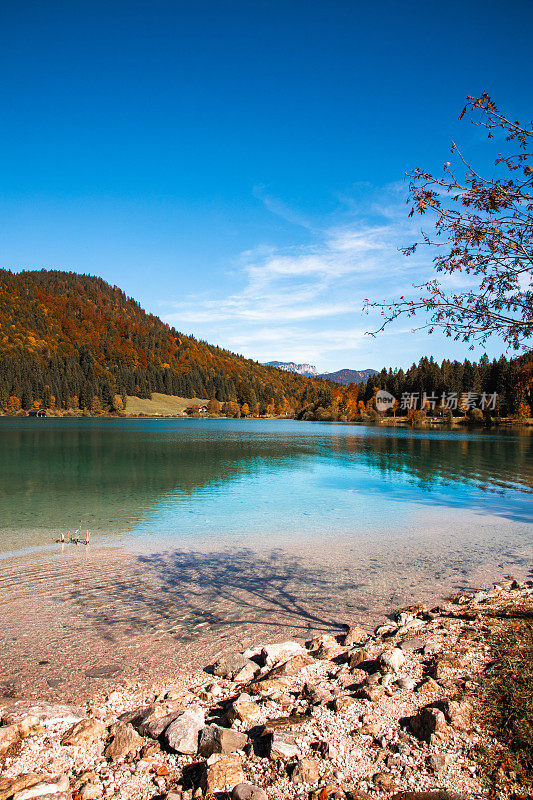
<point x="141" y="482"/>
<point x="211" y="532"/>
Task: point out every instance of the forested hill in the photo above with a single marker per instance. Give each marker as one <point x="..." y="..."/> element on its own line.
<point x="75" y="341"/>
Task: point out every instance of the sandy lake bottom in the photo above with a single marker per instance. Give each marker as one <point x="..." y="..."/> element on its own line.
<point x="214" y="537"/>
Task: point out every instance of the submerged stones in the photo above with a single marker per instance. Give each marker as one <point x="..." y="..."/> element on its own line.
<point x="103" y="671"/>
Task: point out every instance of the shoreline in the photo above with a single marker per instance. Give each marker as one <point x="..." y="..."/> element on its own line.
<point x="506" y="423"/>
<point x="155" y="611"/>
<point x="359" y="715"/>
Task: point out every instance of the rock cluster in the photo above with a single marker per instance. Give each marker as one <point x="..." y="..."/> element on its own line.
<point x="389" y="713"/>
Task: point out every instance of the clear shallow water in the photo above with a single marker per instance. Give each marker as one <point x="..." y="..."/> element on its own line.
<point x="204" y="530"/>
<point x="190" y="480"/>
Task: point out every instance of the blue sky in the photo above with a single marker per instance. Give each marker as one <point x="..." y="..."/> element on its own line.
<point x="238" y="167"/>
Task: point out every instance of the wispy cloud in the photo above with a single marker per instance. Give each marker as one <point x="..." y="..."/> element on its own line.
<point x="305" y="301"/>
<point x="281" y="209"/>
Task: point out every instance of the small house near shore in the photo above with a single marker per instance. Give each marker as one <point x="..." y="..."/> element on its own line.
<point x="195" y="410"/>
<point x="37" y="412"/>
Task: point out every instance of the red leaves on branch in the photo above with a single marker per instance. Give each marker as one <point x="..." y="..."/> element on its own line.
<point x="482" y="228"/>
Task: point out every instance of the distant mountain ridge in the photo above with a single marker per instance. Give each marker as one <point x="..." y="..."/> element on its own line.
<point x="346" y="376"/>
<point x="342" y="376"/>
<point x="289" y="366"/>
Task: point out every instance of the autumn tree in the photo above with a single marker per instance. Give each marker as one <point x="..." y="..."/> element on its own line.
<point x="13" y="405"/>
<point x="482" y="231"/>
<point x="118" y="404"/>
<point x="231" y="409"/>
<point x="524" y="411"/>
<point x="351" y="397"/>
<point x="96" y="407"/>
<point x="463" y="404"/>
<point x="214" y="406"/>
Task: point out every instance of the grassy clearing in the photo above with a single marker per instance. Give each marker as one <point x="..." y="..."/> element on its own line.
<point x="508" y="700"/>
<point x="161" y="404"/>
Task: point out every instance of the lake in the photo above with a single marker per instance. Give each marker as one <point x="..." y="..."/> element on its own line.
<point x="210" y="533"/>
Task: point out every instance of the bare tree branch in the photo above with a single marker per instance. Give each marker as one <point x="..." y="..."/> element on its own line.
<point x="482" y="228"/>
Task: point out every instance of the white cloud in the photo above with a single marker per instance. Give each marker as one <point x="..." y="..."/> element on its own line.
<point x="304" y="302"/>
<point x="280" y="209"/>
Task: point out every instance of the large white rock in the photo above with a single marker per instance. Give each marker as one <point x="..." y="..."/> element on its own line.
<point x="84" y="733"/>
<point x="182" y="734"/>
<point x="275" y="653"/>
<point x="46" y="787"/>
<point x="283" y="745"/>
<point x="392" y="659"/>
<point x="48" y="713"/>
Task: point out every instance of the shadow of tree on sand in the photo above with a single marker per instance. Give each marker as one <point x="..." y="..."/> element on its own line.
<point x="186" y="593"/>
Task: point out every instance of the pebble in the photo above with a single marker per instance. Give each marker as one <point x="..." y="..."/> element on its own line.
<point x="247" y="791"/>
<point x="406" y="683"/>
<point x="411" y="645"/>
<point x="125" y="741"/>
<point x="392" y="659"/>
